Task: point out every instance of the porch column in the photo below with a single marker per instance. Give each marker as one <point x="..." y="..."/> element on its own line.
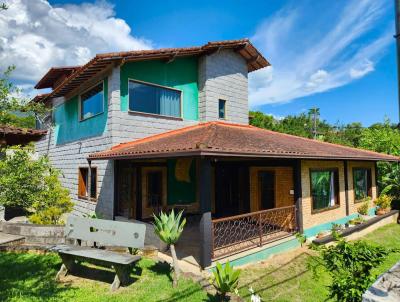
<point x="298" y="194"/>
<point x="205" y="211"/>
<point x="346" y="187"/>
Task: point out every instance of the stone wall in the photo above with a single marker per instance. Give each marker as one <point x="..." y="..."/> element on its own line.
<point x="223" y="75"/>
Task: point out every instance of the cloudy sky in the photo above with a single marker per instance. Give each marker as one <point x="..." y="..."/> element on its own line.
<point x="335" y="55"/>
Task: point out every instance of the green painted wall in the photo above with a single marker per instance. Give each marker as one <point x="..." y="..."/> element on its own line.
<point x="266" y="253"/>
<point x="328" y="226"/>
<point x="69" y="128"/>
<point x="181" y="192"/>
<point x="179" y="74"/>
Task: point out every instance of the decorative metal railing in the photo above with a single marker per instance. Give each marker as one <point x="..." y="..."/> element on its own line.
<point x="234" y="234"/>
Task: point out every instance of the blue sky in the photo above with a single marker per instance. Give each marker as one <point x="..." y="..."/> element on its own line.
<point x="335" y="55"/>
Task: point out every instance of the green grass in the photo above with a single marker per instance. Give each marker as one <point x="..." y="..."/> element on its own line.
<point x="30" y="277"/>
<point x="294" y="281"/>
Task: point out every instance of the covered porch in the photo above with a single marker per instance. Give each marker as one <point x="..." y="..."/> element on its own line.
<point x="231" y="205"/>
<point x="240" y="187"/>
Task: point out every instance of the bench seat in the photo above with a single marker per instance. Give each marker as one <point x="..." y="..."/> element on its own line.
<point x="97" y="254"/>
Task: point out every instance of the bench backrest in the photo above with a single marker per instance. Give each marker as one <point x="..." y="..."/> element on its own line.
<point x="107" y="232"/>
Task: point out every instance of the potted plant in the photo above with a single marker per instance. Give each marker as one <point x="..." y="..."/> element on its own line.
<point x="383" y="202"/>
<point x="363" y="208"/>
<point x="356" y="221"/>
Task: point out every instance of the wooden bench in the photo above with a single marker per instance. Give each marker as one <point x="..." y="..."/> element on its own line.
<point x="103" y="232"/>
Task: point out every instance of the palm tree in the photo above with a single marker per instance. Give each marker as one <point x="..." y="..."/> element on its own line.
<point x="168" y="228"/>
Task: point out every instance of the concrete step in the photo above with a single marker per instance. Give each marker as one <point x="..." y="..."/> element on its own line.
<point x="8" y="239"/>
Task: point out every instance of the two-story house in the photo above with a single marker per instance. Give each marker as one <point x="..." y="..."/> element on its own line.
<point x="142" y="131"/>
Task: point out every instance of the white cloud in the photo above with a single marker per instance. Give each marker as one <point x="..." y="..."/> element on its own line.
<point x="360" y="71"/>
<point x="35" y="35"/>
<point x="311" y="55"/>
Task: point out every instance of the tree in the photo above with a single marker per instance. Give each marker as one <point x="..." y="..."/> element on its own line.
<point x="169" y="228"/>
<point x="33" y="185"/>
<point x="14" y="109"/>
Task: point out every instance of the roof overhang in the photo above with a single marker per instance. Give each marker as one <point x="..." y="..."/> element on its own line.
<point x="254" y="59"/>
<point x="221" y="139"/>
<point x="223" y="154"/>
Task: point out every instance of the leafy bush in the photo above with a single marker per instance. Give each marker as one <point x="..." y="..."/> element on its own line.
<point x="384" y="201"/>
<point x="363" y="209"/>
<point x="32" y="185"/>
<point x="225" y="279"/>
<point x="350" y="265"/>
<point x="169" y="228"/>
<point x="357" y="220"/>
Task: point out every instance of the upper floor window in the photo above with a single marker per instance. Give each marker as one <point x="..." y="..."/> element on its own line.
<point x="221" y="109"/>
<point x="154" y="99"/>
<point x="362" y="183"/>
<point x="324" y="188"/>
<point x="92" y="101"/>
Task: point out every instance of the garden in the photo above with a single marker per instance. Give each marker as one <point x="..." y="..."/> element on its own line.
<point x="295" y="276"/>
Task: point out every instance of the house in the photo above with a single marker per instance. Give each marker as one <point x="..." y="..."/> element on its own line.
<point x="142" y="131"/>
<point x="10" y="135"/>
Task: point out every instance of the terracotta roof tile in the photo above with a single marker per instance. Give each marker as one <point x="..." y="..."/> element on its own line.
<point x="226" y="139"/>
<point x="255" y="60"/>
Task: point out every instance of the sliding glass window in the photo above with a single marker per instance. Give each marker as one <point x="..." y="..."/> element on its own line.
<point x="92" y="101"/>
<point x="362" y="183"/>
<point x="154" y="99"/>
<point x="324" y="189"/>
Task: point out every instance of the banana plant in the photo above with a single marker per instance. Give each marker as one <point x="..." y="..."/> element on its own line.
<point x="169" y="228"/>
<point x="225" y="279"/>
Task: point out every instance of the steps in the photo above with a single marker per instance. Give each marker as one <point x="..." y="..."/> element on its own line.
<point x="11" y="240"/>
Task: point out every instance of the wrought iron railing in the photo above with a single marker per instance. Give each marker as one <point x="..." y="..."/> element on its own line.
<point x="234" y="234"/>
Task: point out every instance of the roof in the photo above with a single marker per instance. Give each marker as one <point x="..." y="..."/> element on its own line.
<point x="234" y="140"/>
<point x="55" y="73"/>
<point x="101" y="62"/>
<point x="19" y="136"/>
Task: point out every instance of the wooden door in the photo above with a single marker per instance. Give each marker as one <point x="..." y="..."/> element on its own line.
<point x="127" y="184"/>
<point x="266" y="187"/>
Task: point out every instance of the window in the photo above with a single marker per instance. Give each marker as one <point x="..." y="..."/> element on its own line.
<point x="324" y="189"/>
<point x="154" y="189"/>
<point x="221" y="109"/>
<point x="92" y="102"/>
<point x="362" y="183"/>
<point x="154" y="99"/>
<point x="83" y="184"/>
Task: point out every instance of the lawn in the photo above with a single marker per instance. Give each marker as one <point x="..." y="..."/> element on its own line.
<point x="288" y="278"/>
<point x="30" y="277"/>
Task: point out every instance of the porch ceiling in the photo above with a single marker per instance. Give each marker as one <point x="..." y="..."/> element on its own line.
<point x="234" y="140"/>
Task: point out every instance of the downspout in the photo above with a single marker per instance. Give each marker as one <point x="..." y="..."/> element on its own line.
<point x="89" y="181"/>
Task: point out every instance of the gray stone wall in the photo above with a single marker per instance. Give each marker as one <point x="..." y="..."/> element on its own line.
<point x="223" y="75"/>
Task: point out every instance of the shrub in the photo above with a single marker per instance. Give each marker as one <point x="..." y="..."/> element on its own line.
<point x="350" y="266"/>
<point x="32" y="185"/>
<point x="363" y="209"/>
<point x="169" y="228"/>
<point x="225" y="279"/>
<point x="384" y="201"/>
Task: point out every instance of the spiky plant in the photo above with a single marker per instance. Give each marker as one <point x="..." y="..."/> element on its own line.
<point x="169" y="228"/>
<point x="225" y="279"/>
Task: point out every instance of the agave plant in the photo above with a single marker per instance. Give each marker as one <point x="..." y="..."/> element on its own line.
<point x="225" y="279"/>
<point x="169" y="228"/>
